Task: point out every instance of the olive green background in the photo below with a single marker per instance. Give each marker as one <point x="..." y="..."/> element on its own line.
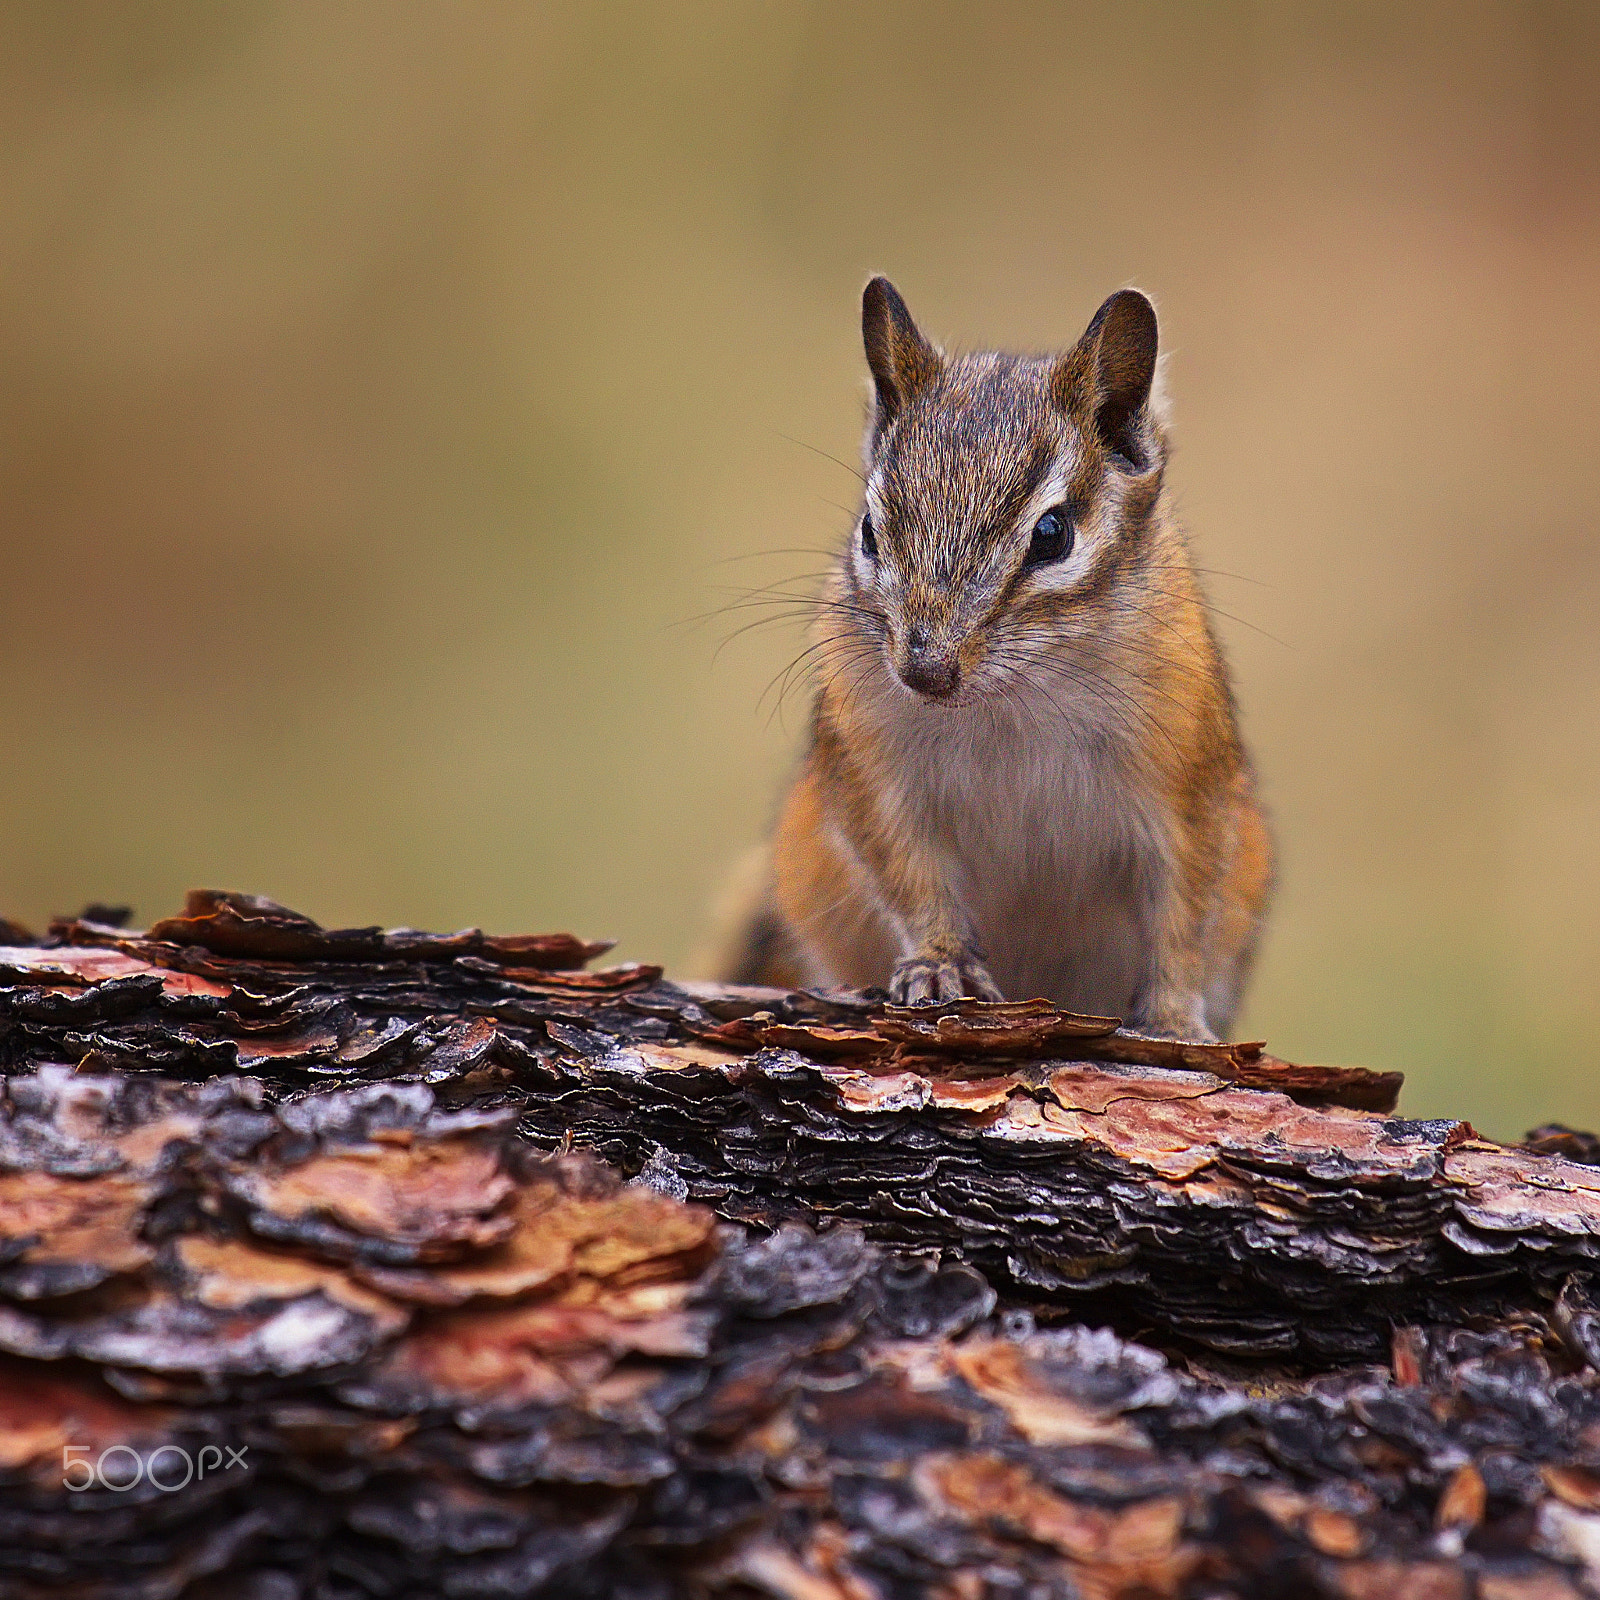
<point x="385" y="386"/>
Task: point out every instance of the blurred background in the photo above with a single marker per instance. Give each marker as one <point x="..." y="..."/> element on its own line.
<point x="386" y="387"/>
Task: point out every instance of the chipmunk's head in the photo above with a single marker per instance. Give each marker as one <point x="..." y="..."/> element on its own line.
<point x="1004" y="494"/>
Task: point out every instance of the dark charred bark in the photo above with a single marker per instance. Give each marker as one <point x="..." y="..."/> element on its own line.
<point x="965" y="1301"/>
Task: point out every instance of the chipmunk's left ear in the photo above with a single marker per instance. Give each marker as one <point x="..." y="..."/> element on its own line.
<point x="1108" y="375"/>
<point x="901" y="358"/>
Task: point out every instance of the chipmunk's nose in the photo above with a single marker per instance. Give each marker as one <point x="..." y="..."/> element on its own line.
<point x="928" y="668"/>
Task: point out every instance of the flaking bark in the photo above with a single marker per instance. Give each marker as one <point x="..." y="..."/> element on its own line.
<point x="353" y="1204"/>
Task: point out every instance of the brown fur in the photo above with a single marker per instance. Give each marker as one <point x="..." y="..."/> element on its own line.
<point x="1024" y="775"/>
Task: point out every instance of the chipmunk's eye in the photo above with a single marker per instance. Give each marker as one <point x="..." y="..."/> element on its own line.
<point x="1052" y="538"/>
<point x="869" y="540"/>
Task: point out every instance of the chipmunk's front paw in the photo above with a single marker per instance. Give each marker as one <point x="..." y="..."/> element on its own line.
<point x="1183" y="1023"/>
<point x="919" y="979"/>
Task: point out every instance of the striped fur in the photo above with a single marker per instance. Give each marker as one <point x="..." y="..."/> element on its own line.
<point x="1022" y="779"/>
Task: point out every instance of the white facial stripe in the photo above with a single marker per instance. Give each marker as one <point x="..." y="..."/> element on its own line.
<point x="873" y="502"/>
<point x="866" y="572"/>
<point x="1052" y="491"/>
<point x="1056" y="488"/>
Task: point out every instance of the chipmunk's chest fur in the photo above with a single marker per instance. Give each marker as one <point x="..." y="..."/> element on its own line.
<point x="1045" y="815"/>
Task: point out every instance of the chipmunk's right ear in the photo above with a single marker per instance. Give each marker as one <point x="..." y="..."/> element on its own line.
<point x="902" y="360"/>
<point x="1106" y="379"/>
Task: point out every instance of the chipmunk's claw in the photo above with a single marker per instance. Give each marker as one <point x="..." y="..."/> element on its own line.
<point x="920" y="979"/>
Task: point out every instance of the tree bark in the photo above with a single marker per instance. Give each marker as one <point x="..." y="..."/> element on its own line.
<point x="444" y="1264"/>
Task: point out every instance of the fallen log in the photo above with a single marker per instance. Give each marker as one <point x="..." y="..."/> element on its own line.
<point x="342" y="1216"/>
<point x="1204" y="1193"/>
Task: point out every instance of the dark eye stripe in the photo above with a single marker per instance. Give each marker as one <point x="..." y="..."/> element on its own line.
<point x="1024" y="484"/>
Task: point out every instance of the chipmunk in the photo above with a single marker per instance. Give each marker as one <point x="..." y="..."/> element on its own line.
<point x="1024" y="775"/>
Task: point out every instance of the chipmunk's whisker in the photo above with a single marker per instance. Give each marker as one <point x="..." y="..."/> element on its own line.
<point x="854" y="472"/>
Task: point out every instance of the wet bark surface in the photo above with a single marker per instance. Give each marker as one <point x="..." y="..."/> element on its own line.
<point x="449" y="1264"/>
